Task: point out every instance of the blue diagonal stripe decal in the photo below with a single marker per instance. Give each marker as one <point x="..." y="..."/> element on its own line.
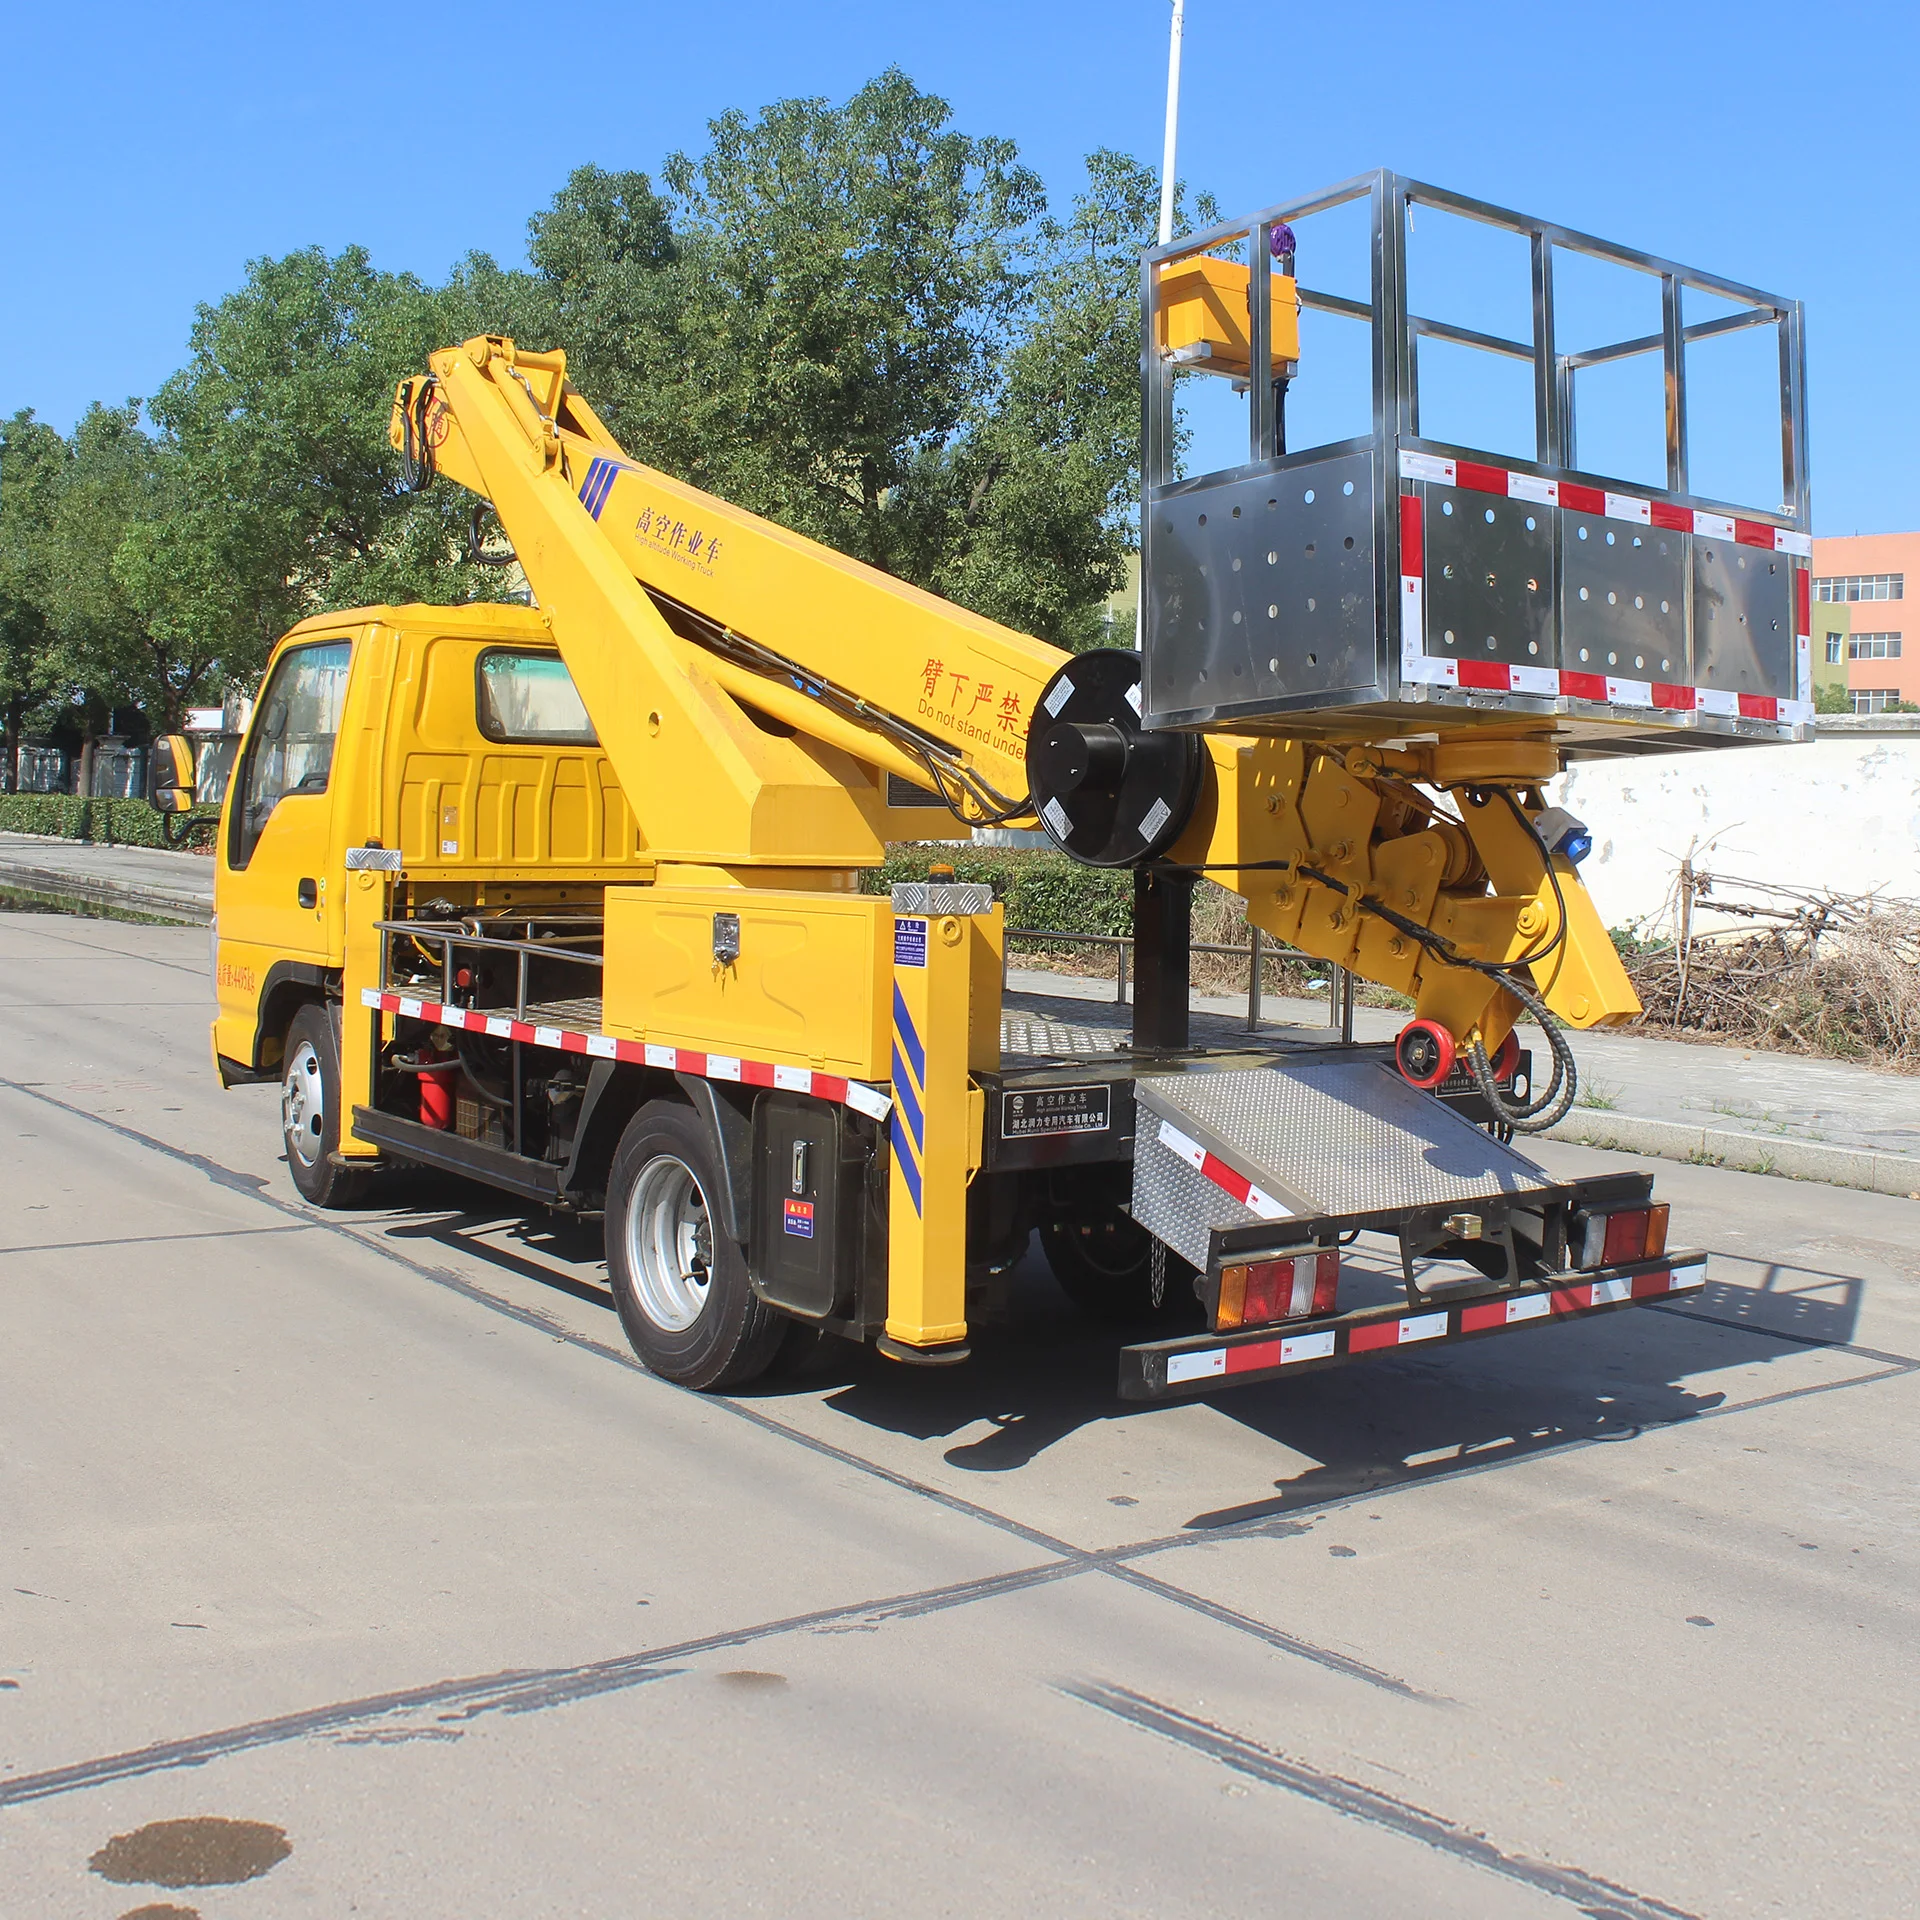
<point x="601" y="475"/>
<point x="903" y="1159"/>
<point x="909" y="1038"/>
<point x="909" y="1103"/>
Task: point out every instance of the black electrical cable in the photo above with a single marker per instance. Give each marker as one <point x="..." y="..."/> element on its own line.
<point x="1545" y="1109"/>
<point x="959" y="786"/>
<point x="1222" y="866"/>
<point x="416" y="451"/>
<point x="1546" y="859"/>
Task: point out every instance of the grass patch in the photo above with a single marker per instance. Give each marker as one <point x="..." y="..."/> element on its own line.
<point x="25" y="900"/>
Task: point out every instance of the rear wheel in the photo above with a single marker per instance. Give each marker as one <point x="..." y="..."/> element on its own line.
<point x="310" y="1112"/>
<point x="679" y="1281"/>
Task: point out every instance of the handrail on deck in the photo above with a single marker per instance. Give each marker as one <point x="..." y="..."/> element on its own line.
<point x="1340" y="982"/>
<point x="449" y="934"/>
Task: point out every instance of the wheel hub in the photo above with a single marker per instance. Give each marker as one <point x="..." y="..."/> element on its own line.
<point x="303" y="1104"/>
<point x="670" y="1244"/>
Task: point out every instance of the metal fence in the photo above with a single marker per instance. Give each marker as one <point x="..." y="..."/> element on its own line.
<point x="1255" y="953"/>
<point x="119" y="772"/>
<point x="41" y="770"/>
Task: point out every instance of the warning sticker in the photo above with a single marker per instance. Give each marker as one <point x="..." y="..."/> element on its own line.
<point x="799" y="1218"/>
<point x="909" y="943"/>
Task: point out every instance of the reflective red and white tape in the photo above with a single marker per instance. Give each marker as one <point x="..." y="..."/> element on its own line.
<point x="1552" y="683"/>
<point x="1417" y="1329"/>
<point x="856" y="1094"/>
<point x="1211" y="1167"/>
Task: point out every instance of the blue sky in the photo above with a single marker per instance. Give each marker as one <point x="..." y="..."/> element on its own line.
<point x="149" y="153"/>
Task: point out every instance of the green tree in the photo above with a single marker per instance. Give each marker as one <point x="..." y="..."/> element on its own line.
<point x="33" y="457"/>
<point x="287" y="499"/>
<point x="1831" y="697"/>
<point x="1042" y="489"/>
<point x="105" y="641"/>
<point x="848" y="278"/>
<point x="863" y="324"/>
<point x="807" y="311"/>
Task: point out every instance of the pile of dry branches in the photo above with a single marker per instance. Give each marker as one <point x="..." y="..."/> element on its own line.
<point x="1784" y="967"/>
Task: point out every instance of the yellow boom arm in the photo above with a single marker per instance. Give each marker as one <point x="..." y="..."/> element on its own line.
<point x="753" y="689"/>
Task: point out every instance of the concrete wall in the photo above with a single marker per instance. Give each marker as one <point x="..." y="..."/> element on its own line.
<point x="1842" y="812"/>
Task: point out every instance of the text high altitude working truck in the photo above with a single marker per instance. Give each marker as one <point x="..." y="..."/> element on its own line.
<point x="565" y="897"/>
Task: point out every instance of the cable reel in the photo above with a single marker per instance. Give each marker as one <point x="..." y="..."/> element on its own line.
<point x="1108" y="791"/>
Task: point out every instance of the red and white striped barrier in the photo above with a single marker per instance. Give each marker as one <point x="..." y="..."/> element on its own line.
<point x="856" y="1094"/>
<point x="1210" y="1167"/>
<point x="1281" y="1349"/>
<point x="1604" y="689"/>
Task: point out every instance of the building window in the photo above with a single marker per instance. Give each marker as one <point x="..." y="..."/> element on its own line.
<point x="1834" y="655"/>
<point x="1875" y="699"/>
<point x="1874" y="646"/>
<point x="1861" y="586"/>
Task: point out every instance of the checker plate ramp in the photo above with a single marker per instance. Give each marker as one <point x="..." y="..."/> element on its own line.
<point x="1304" y="1137"/>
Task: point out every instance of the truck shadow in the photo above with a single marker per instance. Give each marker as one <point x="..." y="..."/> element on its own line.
<point x="1041" y="1371"/>
<point x="1044" y="1373"/>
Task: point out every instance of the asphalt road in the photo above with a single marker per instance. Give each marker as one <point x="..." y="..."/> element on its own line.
<point x="366" y="1528"/>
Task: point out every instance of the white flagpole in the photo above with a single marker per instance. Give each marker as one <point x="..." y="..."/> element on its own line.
<point x="1173" y="120"/>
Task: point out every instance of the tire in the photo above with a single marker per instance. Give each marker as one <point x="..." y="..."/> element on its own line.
<point x="679" y="1282"/>
<point x="1104" y="1264"/>
<point x="310" y="1112"/>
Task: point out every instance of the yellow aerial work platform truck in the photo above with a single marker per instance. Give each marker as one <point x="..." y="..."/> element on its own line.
<point x="565" y="897"/>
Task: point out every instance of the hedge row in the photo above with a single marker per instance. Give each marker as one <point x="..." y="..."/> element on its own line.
<point x="1038" y="889"/>
<point x="115" y="823"/>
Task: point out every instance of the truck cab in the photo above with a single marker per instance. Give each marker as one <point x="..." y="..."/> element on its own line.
<point x="452" y="735"/>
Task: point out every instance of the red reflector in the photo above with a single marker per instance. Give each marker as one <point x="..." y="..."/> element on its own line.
<point x="1484" y="673"/>
<point x="1263" y="1296"/>
<point x="1626" y="1237"/>
<point x="1381" y="1333"/>
<point x="1413" y="551"/>
<point x="1267" y="1290"/>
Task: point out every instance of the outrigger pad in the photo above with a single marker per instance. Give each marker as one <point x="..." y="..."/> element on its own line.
<point x="1230" y="1147"/>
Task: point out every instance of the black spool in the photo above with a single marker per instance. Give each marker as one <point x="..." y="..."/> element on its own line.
<point x="1107" y="791"/>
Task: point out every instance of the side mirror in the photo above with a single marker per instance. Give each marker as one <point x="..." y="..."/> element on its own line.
<point x="170" y="774"/>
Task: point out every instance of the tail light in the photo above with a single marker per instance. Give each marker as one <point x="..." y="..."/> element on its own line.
<point x="1261" y="1291"/>
<point x="1630" y="1233"/>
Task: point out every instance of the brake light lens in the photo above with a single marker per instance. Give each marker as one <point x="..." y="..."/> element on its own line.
<point x="1635" y="1233"/>
<point x="1261" y="1291"/>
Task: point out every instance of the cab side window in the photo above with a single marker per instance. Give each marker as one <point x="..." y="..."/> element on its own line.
<point x="530" y="700"/>
<point x="291" y="747"/>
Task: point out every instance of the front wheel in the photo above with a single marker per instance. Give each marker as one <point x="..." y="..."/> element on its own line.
<point x="679" y="1281"/>
<point x="310" y="1112"/>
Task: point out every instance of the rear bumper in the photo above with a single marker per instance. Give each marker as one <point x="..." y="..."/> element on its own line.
<point x="1206" y="1362"/>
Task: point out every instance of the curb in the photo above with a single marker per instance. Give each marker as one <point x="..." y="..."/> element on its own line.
<point x="57" y="886"/>
<point x="1894" y="1173"/>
